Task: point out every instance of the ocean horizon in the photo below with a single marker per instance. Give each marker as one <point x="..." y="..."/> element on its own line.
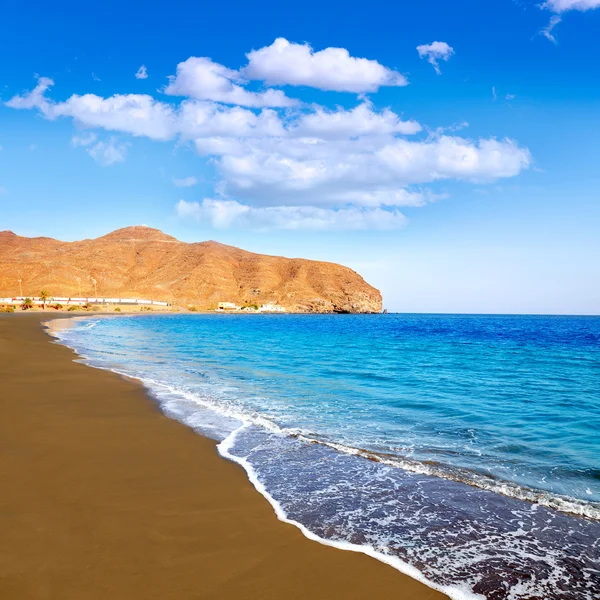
<point x="460" y="449"/>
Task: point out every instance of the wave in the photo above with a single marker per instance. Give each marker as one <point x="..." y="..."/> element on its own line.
<point x="566" y="504"/>
<point x="228" y="424"/>
<point x="562" y="503"/>
<point x="455" y="592"/>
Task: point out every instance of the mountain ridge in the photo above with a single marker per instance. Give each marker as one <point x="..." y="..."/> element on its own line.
<point x="143" y="262"/>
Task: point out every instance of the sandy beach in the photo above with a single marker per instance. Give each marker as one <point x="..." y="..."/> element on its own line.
<point x="104" y="497"/>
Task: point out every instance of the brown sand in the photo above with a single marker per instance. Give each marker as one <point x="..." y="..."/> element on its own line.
<point x="102" y="497"/>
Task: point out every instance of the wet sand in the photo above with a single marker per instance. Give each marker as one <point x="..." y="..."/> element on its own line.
<point x="103" y="497"/>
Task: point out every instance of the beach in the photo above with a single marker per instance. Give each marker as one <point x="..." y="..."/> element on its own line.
<point x="105" y="497"/>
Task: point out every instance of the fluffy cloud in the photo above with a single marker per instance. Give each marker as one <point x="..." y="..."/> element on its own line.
<point x="305" y="170"/>
<point x="108" y="153"/>
<point x="142" y="115"/>
<point x="136" y="114"/>
<point x="332" y="69"/>
<point x="33" y="99"/>
<point x="197" y="119"/>
<point x="225" y="214"/>
<point x="359" y="121"/>
<point x="83" y="140"/>
<point x="203" y="79"/>
<point x="290" y="167"/>
<point x="560" y="6"/>
<point x="323" y="157"/>
<point x="434" y="52"/>
<point x="104" y="153"/>
<point x="389" y="197"/>
<point x="186" y="182"/>
<point x="142" y="73"/>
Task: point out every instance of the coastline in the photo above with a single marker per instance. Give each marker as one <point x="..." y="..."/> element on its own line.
<point x="109" y="497"/>
<point x="505" y="487"/>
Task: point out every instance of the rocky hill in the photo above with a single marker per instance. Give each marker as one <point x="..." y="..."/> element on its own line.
<point x="141" y="262"/>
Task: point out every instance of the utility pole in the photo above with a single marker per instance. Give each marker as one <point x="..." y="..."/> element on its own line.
<point x="79" y="285"/>
<point x="95" y="288"/>
<point x="21" y="286"/>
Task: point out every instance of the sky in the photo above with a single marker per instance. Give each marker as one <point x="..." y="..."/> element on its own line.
<point x="446" y="150"/>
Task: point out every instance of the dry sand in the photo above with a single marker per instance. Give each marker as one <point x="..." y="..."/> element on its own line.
<point x="102" y="497"/>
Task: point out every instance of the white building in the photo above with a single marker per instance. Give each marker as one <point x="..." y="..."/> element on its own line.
<point x="271" y="308"/>
<point x="222" y="306"/>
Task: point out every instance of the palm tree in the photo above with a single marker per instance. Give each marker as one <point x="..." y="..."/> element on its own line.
<point x="27" y="303"/>
<point x="44" y="296"/>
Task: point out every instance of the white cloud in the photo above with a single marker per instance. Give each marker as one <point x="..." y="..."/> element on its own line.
<point x="434" y="52"/>
<point x="359" y="121"/>
<point x="332" y="69"/>
<point x="547" y="31"/>
<point x="33" y="99"/>
<point x="391" y="197"/>
<point x="307" y="170"/>
<point x="225" y="214"/>
<point x="508" y="96"/>
<point x="142" y="73"/>
<point x="142" y="115"/>
<point x="357" y="165"/>
<point x="440" y="131"/>
<point x="136" y="114"/>
<point x="196" y="119"/>
<point x="560" y="6"/>
<point x="203" y="79"/>
<point x="185" y="182"/>
<point x="107" y="153"/>
<point x="83" y="140"/>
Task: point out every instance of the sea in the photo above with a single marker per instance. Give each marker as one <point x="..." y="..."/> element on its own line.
<point x="463" y="450"/>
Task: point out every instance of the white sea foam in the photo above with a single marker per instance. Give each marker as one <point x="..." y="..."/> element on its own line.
<point x="455" y="592"/>
<point x="512" y="490"/>
<point x="566" y="504"/>
<point x="506" y="488"/>
<point x="226" y="423"/>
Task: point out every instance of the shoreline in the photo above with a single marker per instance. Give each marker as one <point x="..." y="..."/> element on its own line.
<point x="110" y="497"/>
<point x="568" y="505"/>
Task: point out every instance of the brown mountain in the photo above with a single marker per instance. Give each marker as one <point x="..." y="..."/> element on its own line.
<point x="141" y="262"/>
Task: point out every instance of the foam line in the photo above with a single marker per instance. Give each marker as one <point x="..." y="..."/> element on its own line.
<point x="454" y="592"/>
<point x="565" y="504"/>
<point x="237" y="421"/>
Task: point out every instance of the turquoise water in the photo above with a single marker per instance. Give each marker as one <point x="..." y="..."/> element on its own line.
<point x="463" y="449"/>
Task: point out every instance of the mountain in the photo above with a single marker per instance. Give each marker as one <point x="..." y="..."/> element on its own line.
<point x="141" y="262"/>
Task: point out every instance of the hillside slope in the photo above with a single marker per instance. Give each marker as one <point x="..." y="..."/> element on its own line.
<point x="141" y="262"/>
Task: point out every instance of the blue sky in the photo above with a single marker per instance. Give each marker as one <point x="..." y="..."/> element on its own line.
<point x="448" y="151"/>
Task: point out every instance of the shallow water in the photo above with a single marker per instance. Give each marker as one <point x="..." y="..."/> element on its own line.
<point x="415" y="436"/>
